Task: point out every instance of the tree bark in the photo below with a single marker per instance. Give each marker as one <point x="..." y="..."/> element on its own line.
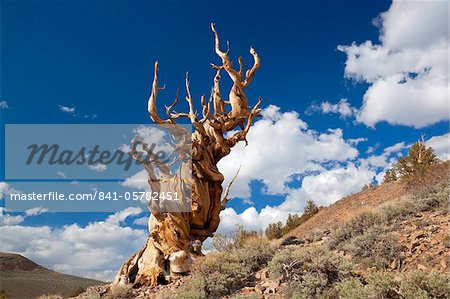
<point x="176" y="237"/>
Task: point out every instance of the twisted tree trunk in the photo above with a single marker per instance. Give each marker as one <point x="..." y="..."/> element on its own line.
<point x="176" y="237"/>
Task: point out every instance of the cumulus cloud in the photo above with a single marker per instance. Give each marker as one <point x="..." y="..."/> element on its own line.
<point x="95" y="250"/>
<point x="324" y="188"/>
<point x="3" y="105"/>
<point x="322" y="161"/>
<point x="280" y="147"/>
<point x="441" y="145"/>
<point x="408" y="71"/>
<point x="331" y="185"/>
<point x="250" y="219"/>
<point x="137" y="181"/>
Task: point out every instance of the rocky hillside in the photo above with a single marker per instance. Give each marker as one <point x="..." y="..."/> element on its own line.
<point x="388" y="241"/>
<point x="23" y="279"/>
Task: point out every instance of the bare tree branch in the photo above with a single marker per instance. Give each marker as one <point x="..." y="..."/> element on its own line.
<point x="251" y="72"/>
<point x="225" y="198"/>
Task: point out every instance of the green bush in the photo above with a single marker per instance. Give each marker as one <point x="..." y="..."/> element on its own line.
<point x="314" y="235"/>
<point x="413" y="285"/>
<point x="374" y="247"/>
<point x="417" y="284"/>
<point x="399" y="210"/>
<point x="377" y="285"/>
<point x="235" y="241"/>
<point x="222" y="273"/>
<point x="310" y="271"/>
<point x="354" y="227"/>
<point x="249" y="296"/>
<point x="351" y="288"/>
<point x="194" y="288"/>
<point x="433" y="201"/>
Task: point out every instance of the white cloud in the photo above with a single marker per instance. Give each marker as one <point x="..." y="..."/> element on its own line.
<point x="329" y="186"/>
<point x="67" y="109"/>
<point x="138" y="181"/>
<point x="3" y="105"/>
<point x="143" y="221"/>
<point x="35" y="211"/>
<point x="441" y="145"/>
<point x="396" y="148"/>
<point x="408" y="71"/>
<point x="280" y="147"/>
<point x="98" y="167"/>
<point x="355" y="141"/>
<point x="96" y="250"/>
<point x="6" y="189"/>
<point x="91" y="116"/>
<point x="7" y="219"/>
<point x="250" y="219"/>
<point x="343" y="108"/>
<point x="414" y="24"/>
<point x="324" y="188"/>
<point x="61" y="174"/>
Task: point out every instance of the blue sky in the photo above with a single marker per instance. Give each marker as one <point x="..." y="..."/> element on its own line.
<point x="96" y="59"/>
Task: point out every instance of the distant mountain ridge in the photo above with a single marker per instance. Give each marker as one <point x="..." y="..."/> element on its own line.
<point x="21" y="278"/>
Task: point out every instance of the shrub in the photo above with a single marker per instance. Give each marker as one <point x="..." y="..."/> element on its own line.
<point x="433" y="201"/>
<point x="120" y="291"/>
<point x="236" y="240"/>
<point x="194" y="288"/>
<point x="351" y="288"/>
<point x="413" y="285"/>
<point x="314" y="235"/>
<point x="249" y="296"/>
<point x="310" y="271"/>
<point x="399" y="210"/>
<point x="417" y="284"/>
<point x="434" y="179"/>
<point x="221" y="273"/>
<point x="377" y="285"/>
<point x="375" y="247"/>
<point x="50" y="297"/>
<point x="354" y="227"/>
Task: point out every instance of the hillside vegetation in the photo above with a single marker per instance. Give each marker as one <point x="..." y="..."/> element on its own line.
<point x="23" y="279"/>
<point x="387" y="241"/>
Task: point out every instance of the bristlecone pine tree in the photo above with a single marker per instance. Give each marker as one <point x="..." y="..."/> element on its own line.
<point x="274" y="230"/>
<point x="390" y="175"/>
<point x="418" y="160"/>
<point x="175" y="236"/>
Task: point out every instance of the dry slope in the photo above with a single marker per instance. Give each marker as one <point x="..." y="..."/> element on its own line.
<point x="23" y="279"/>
